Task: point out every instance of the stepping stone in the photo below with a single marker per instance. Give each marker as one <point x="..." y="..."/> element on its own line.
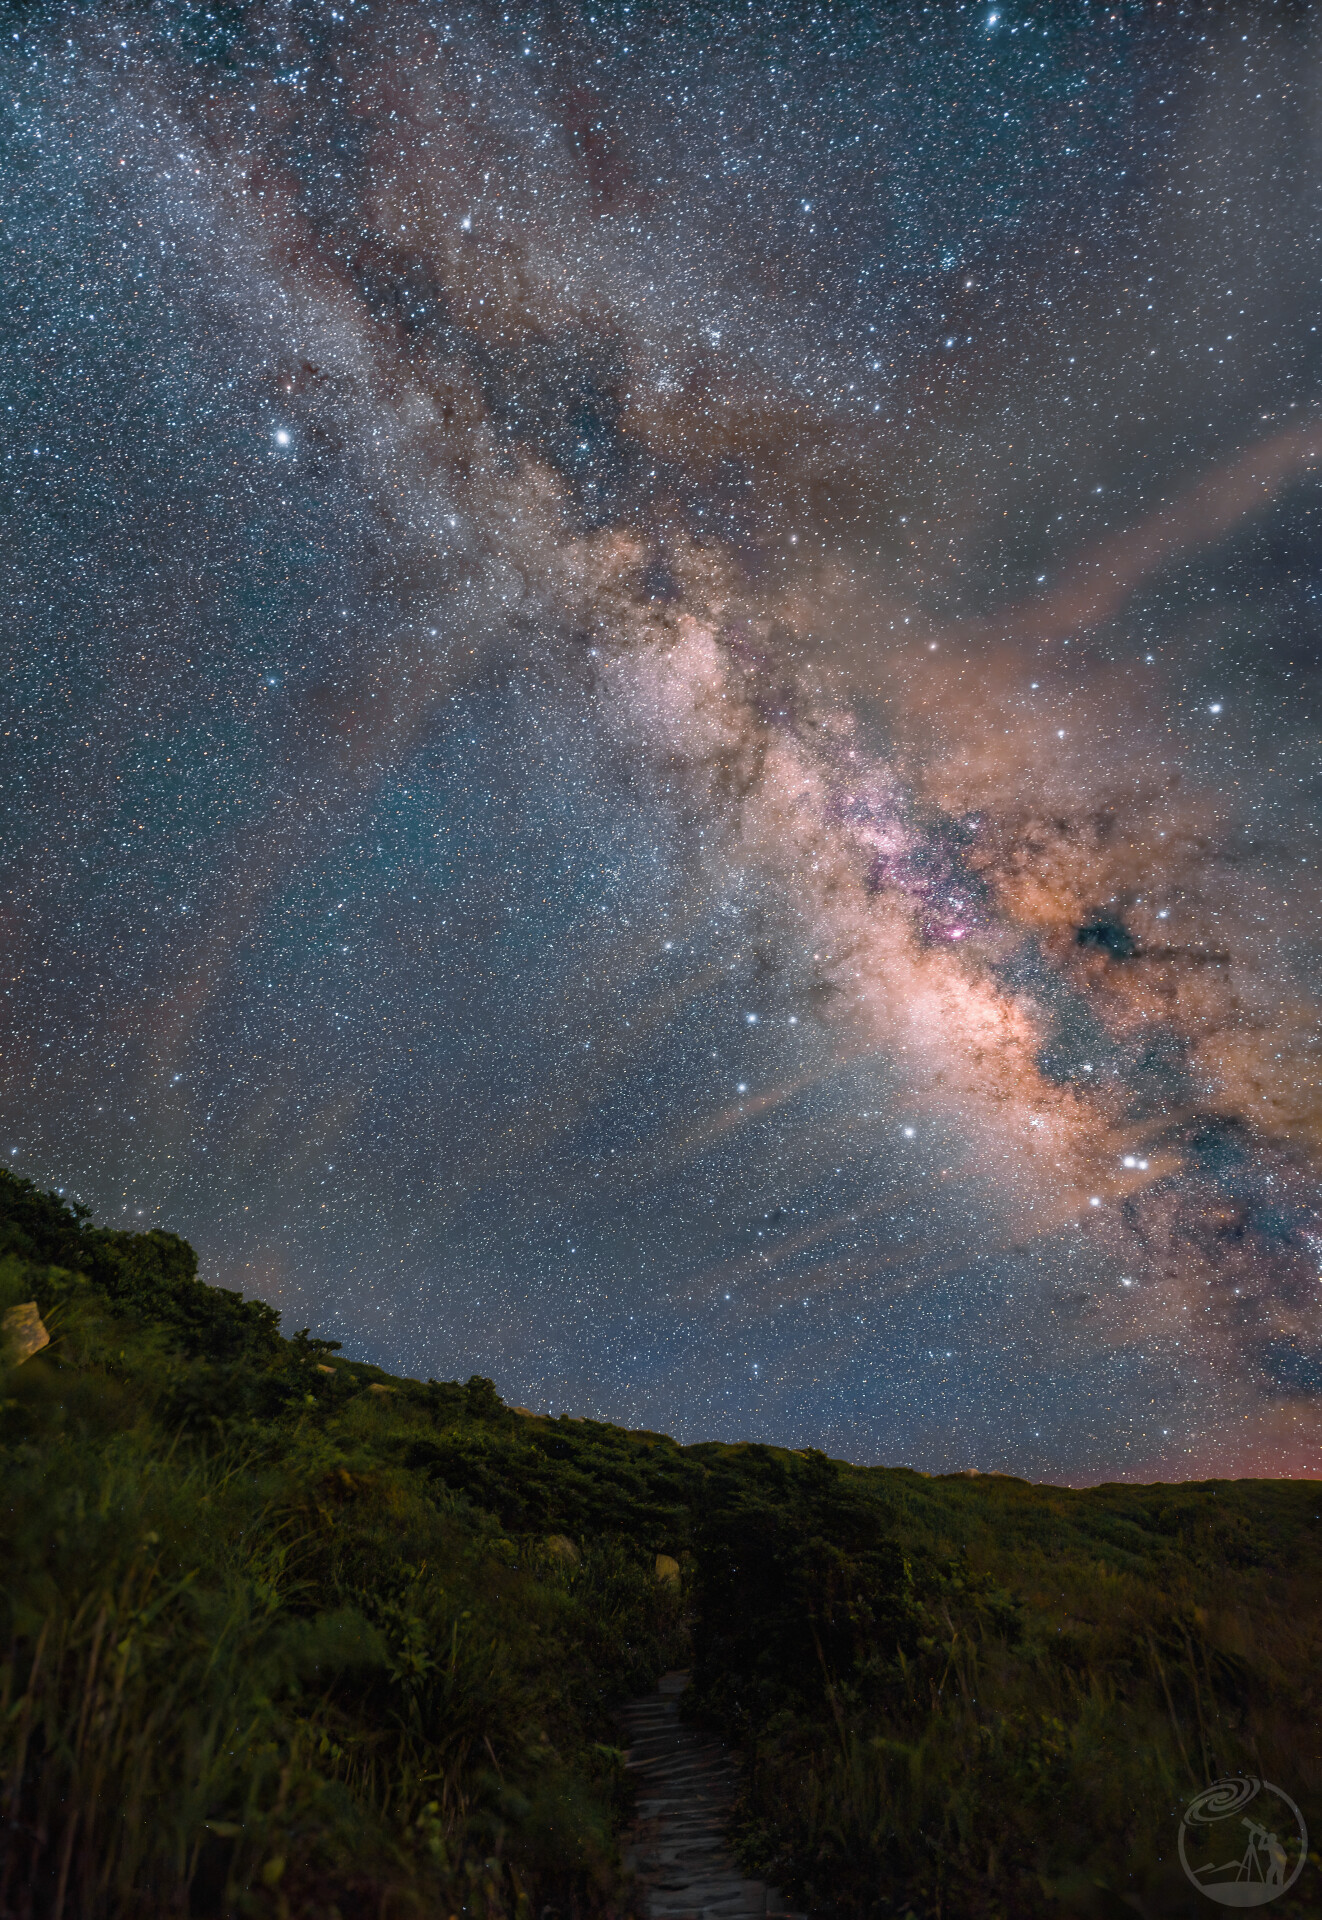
<point x="687" y="1784"/>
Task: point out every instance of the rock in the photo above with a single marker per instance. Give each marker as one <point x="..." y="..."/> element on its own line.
<point x="561" y="1547"/>
<point x="22" y="1334"/>
<point x="322" y="1369"/>
<point x="527" y="1412"/>
<point x="378" y="1386"/>
<point x="667" y="1570"/>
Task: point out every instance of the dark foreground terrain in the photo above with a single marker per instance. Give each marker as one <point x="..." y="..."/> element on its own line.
<point x="282" y="1635"/>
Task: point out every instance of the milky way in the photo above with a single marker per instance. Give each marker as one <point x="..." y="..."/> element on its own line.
<point x="661" y="726"/>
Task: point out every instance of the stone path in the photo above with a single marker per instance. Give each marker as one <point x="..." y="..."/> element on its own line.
<point x="687" y="1781"/>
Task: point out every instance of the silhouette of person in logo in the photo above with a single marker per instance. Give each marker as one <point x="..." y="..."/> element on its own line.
<point x="1271" y="1871"/>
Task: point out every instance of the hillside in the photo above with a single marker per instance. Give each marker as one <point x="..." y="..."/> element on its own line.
<point x="283" y="1635"/>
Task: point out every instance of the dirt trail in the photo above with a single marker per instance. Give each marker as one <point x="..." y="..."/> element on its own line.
<point x="687" y="1782"/>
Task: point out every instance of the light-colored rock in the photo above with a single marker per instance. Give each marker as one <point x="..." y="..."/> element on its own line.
<point x="527" y="1412"/>
<point x="379" y="1386"/>
<point x="561" y="1547"/>
<point x="322" y="1369"/>
<point x="667" y="1570"/>
<point x="22" y="1334"/>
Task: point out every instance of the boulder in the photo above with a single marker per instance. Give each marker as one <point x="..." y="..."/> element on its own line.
<point x="561" y="1547"/>
<point x="22" y="1334"/>
<point x="667" y="1570"/>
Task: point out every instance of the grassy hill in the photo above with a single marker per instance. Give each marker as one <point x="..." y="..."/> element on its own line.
<point x="282" y="1635"/>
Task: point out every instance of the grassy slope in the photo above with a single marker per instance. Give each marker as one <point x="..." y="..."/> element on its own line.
<point x="277" y="1643"/>
<point x="984" y="1697"/>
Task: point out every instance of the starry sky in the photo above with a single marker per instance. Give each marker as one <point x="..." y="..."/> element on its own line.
<point x="661" y="703"/>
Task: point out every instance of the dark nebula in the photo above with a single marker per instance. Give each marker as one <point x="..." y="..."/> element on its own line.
<point x="662" y="716"/>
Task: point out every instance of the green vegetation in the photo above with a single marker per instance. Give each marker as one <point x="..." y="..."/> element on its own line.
<point x="281" y="1635"/>
<point x="972" y="1696"/>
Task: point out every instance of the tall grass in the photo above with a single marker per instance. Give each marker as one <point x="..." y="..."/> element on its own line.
<point x="251" y="1663"/>
<point x="1012" y="1731"/>
<point x="281" y="1637"/>
<point x="212" y="1702"/>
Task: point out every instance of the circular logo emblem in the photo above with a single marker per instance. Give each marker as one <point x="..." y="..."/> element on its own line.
<point x="1243" y="1841"/>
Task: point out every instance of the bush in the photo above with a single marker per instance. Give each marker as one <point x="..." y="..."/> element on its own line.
<point x="281" y="1635"/>
<point x="256" y="1663"/>
<point x="991" y="1699"/>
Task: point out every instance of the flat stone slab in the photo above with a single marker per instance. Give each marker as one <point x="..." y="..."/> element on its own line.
<point x="687" y="1782"/>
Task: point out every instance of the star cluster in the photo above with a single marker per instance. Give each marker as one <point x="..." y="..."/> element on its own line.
<point x="661" y="724"/>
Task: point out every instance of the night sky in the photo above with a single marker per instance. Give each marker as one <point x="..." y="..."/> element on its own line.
<point x="661" y="704"/>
